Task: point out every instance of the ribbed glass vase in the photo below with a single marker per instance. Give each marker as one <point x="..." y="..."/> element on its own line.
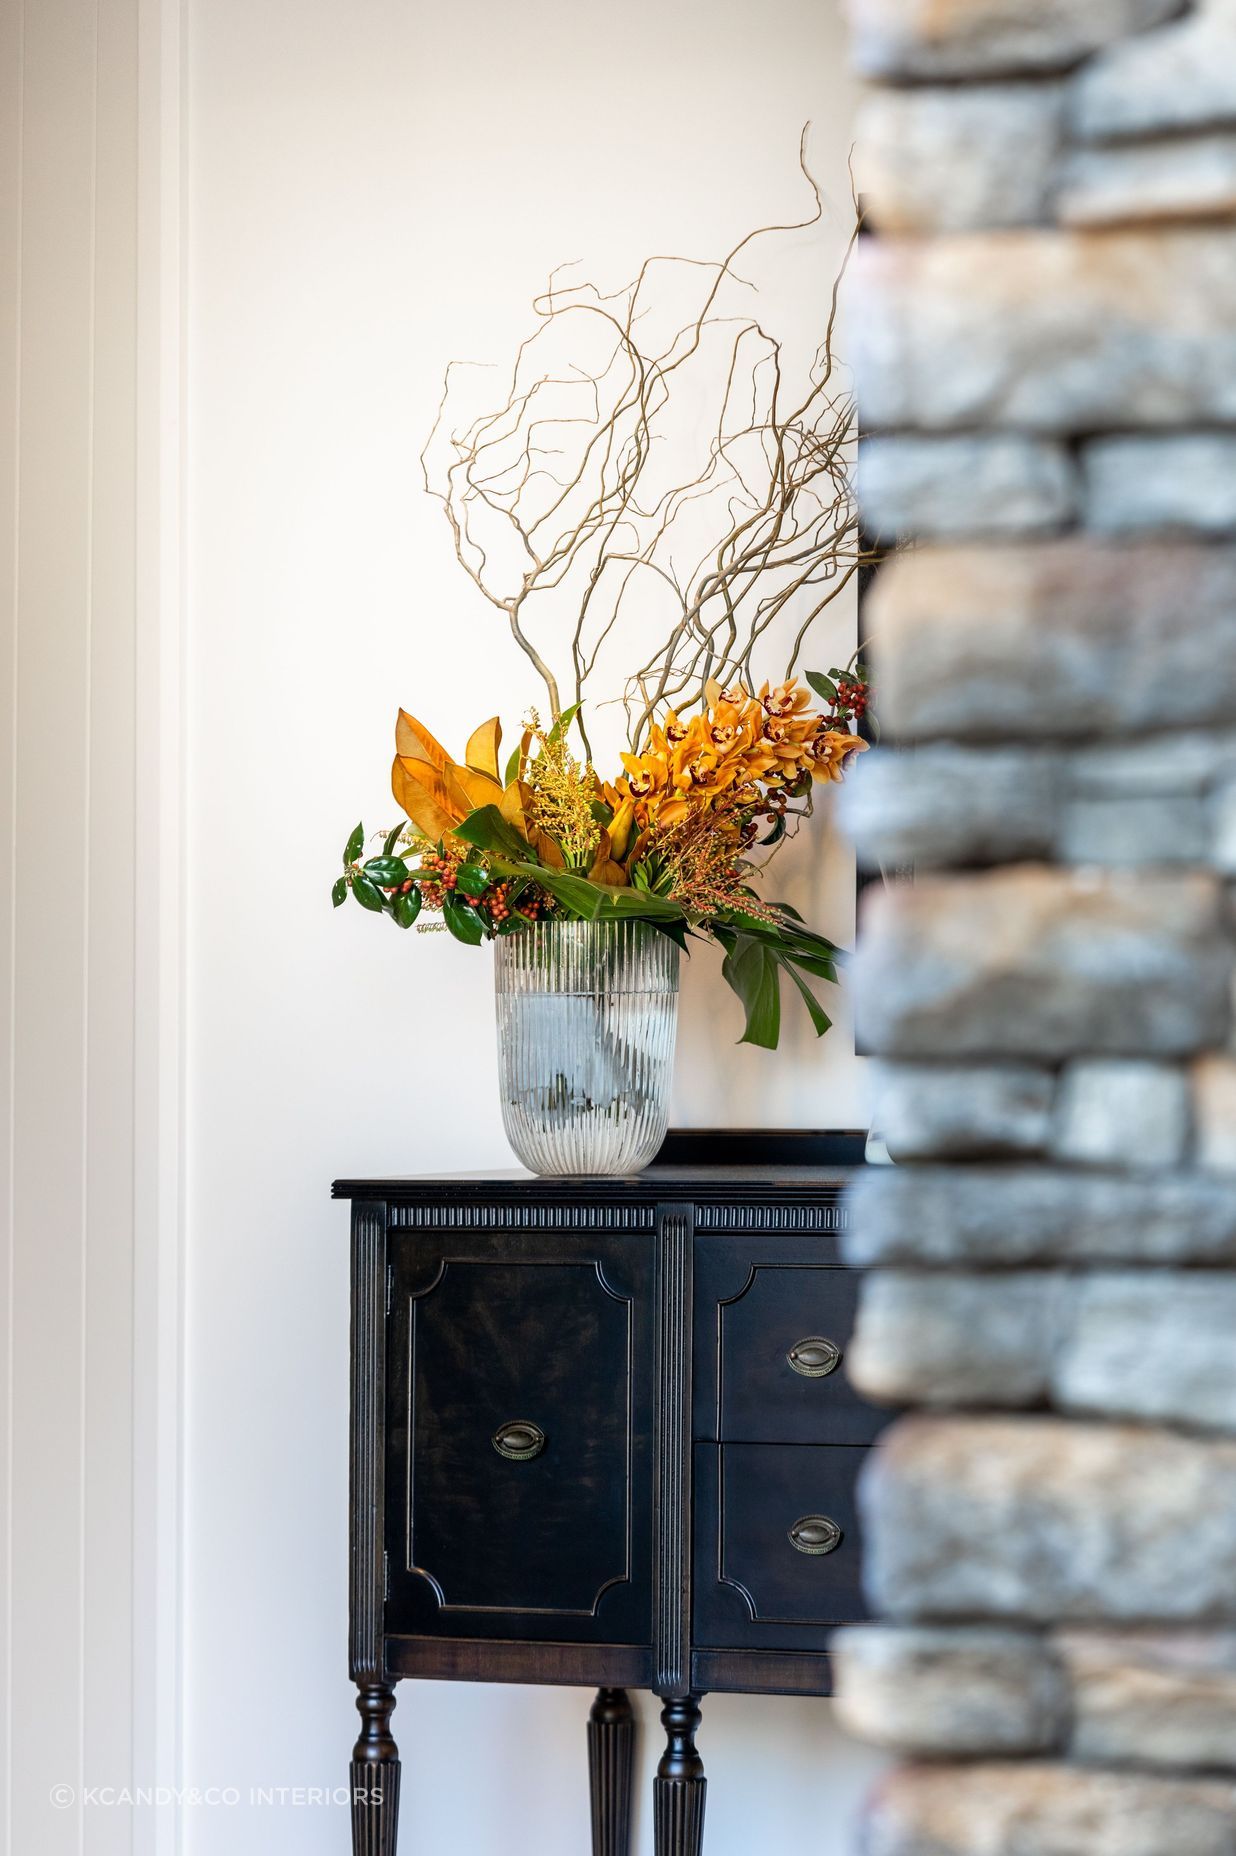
<point x="587" y="1016"/>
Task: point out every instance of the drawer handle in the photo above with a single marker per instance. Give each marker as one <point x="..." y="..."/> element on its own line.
<point x="815" y="1533"/>
<point x="520" y="1440"/>
<point x="814" y="1356"/>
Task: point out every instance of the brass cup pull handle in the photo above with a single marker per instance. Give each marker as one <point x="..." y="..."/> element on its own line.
<point x="520" y="1440"/>
<point x="814" y="1357"/>
<point x="815" y="1533"/>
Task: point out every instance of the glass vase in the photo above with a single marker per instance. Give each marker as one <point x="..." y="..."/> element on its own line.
<point x="587" y="1017"/>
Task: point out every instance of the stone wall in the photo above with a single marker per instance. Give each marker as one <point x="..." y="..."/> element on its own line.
<point x="1046" y="330"/>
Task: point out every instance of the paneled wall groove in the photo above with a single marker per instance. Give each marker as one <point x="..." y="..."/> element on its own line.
<point x="80" y="1480"/>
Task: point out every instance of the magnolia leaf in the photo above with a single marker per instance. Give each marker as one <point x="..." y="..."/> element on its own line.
<point x="477" y="788"/>
<point x="548" y="850"/>
<point x="601" y="859"/>
<point x="481" y="753"/>
<point x="426" y="813"/>
<point x="414" y="742"/>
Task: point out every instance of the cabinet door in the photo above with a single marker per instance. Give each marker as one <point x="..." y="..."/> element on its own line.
<point x="778" y="1554"/>
<point x="518" y="1436"/>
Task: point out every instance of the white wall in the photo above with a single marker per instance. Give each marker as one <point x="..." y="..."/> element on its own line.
<point x="376" y="186"/>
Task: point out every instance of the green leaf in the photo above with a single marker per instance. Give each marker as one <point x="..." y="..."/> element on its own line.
<point x="677" y="932"/>
<point x="472" y="880"/>
<point x="489" y="831"/>
<point x="392" y="839"/>
<point x="386" y="871"/>
<point x="354" y="846"/>
<point x="750" y="969"/>
<point x="463" y="922"/>
<point x="603" y="814"/>
<point x="407" y="907"/>
<point x="822" y="685"/>
<point x="512" y="767"/>
<point x="563" y="722"/>
<point x="820" y="965"/>
<point x="776" y="832"/>
<point x="637" y="905"/>
<point x="819" y="1017"/>
<point x="339" y="892"/>
<point x="367" y="894"/>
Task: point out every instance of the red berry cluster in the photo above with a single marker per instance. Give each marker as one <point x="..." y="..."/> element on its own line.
<point x="442" y="868"/>
<point x="853" y="696"/>
<point x="497" y="900"/>
<point x="533" y="904"/>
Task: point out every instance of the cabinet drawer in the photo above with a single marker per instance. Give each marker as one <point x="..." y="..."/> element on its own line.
<point x="517" y="1467"/>
<point x="778" y="1341"/>
<point x="778" y="1555"/>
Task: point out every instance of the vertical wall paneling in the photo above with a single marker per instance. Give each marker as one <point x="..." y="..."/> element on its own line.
<point x="88" y="1113"/>
<point x="10" y="294"/>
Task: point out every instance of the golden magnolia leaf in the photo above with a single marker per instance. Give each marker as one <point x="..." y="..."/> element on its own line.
<point x="612" y="875"/>
<point x="481" y="753"/>
<point x="477" y="788"/>
<point x="511" y="806"/>
<point x="548" y="851"/>
<point x="413" y="741"/>
<point x="411" y="792"/>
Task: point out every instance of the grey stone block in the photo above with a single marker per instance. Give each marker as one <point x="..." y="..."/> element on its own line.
<point x="943" y="805"/>
<point x="1214" y="1112"/>
<point x="1122" y="1113"/>
<point x="1163" y="1699"/>
<point x="1034" y="1809"/>
<point x="1076" y="639"/>
<point x="1043" y="1518"/>
<point x="942" y="1216"/>
<point x="997" y="484"/>
<point x="1159" y="828"/>
<point x="951" y="1339"/>
<point x="949" y="1691"/>
<point x="1047" y="330"/>
<point x="1174" y="179"/>
<point x="1039" y="963"/>
<point x="929" y="1111"/>
<point x="1170" y="761"/>
<point x="1223" y="828"/>
<point x="1182" y="480"/>
<point x="918" y="149"/>
<point x="1182" y="76"/>
<point x="967" y="38"/>
<point x="1155" y="1346"/>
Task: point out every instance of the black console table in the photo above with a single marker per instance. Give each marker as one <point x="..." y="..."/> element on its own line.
<point x="602" y="1435"/>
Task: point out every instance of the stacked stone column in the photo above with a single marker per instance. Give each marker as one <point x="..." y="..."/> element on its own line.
<point x="1044" y="324"/>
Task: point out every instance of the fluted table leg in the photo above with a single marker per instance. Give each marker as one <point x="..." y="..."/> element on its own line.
<point x="611" y="1771"/>
<point x="680" y="1787"/>
<point x="375" y="1774"/>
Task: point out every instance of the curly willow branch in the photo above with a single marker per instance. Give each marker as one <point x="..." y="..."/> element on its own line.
<point x="559" y="489"/>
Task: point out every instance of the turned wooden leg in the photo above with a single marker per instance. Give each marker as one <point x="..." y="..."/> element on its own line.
<point x="375" y="1774"/>
<point x="678" y="1793"/>
<point x="611" y="1769"/>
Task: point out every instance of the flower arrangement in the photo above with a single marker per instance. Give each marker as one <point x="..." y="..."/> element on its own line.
<point x="669" y="840"/>
<point x="657" y="450"/>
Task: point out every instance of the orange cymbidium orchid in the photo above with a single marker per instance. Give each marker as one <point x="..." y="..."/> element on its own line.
<point x="436" y="792"/>
<point x="830" y="752"/>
